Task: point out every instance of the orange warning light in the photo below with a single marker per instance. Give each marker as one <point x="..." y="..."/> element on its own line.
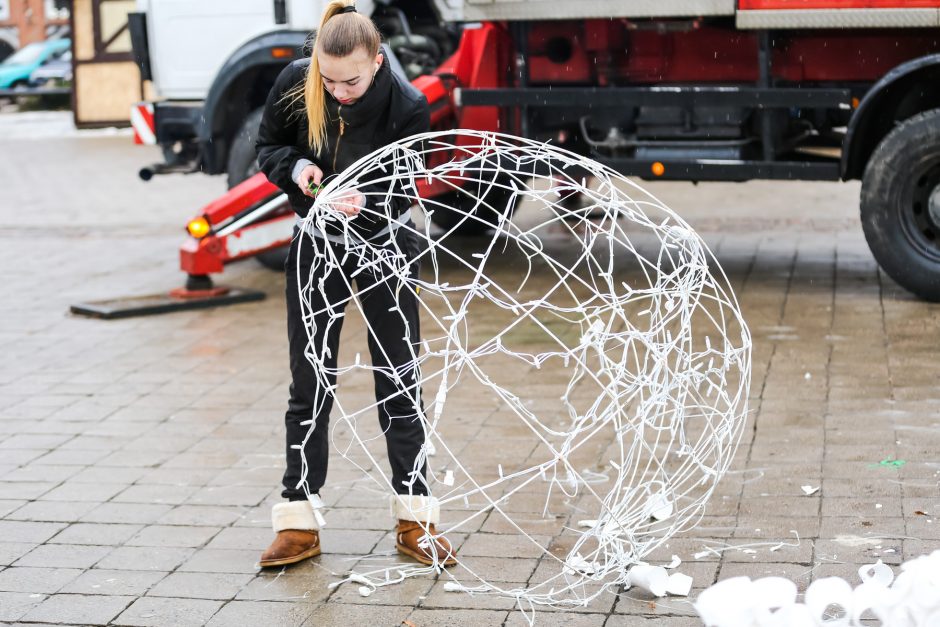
<point x="658" y="169"/>
<point x="198" y="227"/>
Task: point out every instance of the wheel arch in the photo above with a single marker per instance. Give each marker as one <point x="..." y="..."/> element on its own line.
<point x="911" y="88"/>
<point x="240" y="87"/>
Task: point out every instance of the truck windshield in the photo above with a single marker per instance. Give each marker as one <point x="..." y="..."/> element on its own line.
<point x="25" y="56"/>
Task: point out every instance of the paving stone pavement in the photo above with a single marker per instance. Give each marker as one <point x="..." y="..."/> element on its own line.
<point x="139" y="458"/>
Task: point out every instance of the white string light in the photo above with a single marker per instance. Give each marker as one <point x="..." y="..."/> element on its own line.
<point x="634" y="310"/>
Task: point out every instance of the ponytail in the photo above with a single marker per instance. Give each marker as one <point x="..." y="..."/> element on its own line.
<point x="341" y="32"/>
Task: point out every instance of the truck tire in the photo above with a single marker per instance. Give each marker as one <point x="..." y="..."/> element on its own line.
<point x="242" y="164"/>
<point x="242" y="158"/>
<point x="900" y="204"/>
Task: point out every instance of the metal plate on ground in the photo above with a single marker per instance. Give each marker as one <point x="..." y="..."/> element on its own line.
<point x="160" y="303"/>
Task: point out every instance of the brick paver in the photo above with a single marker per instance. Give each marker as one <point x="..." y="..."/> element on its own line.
<point x="139" y="458"/>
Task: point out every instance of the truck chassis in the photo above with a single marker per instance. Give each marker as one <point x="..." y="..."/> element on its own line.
<point x="677" y="98"/>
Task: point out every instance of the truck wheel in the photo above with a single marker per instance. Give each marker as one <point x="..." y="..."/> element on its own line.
<point x="242" y="158"/>
<point x="451" y="210"/>
<point x="900" y="204"/>
<point x="242" y="164"/>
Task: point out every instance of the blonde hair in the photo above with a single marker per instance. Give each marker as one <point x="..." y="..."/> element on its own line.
<point x="339" y="35"/>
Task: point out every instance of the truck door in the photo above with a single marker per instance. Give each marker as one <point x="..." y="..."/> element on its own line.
<point x="189" y="41"/>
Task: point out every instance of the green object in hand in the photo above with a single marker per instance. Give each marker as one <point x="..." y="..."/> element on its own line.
<point x="313" y="187"/>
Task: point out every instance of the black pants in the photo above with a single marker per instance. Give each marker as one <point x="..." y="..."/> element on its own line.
<point x="397" y="385"/>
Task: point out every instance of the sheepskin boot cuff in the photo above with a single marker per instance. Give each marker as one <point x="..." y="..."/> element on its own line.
<point x="294" y="515"/>
<point x="417" y="508"/>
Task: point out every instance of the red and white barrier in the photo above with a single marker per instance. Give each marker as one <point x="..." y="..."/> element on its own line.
<point x="142" y="122"/>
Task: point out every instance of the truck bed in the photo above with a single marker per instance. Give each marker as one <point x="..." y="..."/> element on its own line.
<point x="483" y="10"/>
<point x="749" y="14"/>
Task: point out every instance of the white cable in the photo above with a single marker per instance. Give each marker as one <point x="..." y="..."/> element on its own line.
<point x="635" y="312"/>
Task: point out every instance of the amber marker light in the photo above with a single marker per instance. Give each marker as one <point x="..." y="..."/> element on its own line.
<point x="658" y="169"/>
<point x="855" y="103"/>
<point x="198" y="227"/>
<point x="282" y="53"/>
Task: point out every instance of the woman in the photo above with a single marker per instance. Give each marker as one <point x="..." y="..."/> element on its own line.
<point x="323" y="114"/>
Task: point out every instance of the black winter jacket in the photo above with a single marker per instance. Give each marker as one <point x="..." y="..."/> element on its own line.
<point x="390" y="110"/>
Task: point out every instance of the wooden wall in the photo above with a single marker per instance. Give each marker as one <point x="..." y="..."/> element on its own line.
<point x="107" y="81"/>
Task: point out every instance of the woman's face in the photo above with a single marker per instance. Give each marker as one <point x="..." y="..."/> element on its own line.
<point x="348" y="78"/>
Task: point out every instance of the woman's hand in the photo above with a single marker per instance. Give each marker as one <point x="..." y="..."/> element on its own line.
<point x="349" y="203"/>
<point x="310" y="176"/>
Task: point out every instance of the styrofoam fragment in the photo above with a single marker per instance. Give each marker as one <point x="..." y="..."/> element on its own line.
<point x="679" y="585"/>
<point x="660" y="506"/>
<point x="878" y="573"/>
<point x="653" y="579"/>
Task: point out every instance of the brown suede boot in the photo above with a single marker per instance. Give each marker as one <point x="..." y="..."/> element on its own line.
<point x="412" y="540"/>
<point x="297" y="538"/>
<point x="415" y="514"/>
<point x="291" y="546"/>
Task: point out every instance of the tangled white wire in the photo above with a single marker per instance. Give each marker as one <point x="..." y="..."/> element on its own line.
<point x="618" y="294"/>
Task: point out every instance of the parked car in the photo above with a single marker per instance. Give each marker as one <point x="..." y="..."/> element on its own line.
<point x="6" y="48"/>
<point x="56" y="72"/>
<point x="15" y="71"/>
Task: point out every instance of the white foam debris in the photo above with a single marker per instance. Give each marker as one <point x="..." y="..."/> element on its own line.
<point x="660" y="506"/>
<point x="912" y="599"/>
<point x="679" y="585"/>
<point x="652" y="579"/>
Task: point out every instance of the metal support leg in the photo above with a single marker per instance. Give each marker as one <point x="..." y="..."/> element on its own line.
<point x="764" y="63"/>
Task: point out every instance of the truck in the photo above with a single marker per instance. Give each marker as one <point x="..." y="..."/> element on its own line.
<point x="693" y="90"/>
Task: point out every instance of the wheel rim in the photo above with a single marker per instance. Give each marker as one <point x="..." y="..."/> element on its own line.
<point x="933" y="205"/>
<point x="920" y="212"/>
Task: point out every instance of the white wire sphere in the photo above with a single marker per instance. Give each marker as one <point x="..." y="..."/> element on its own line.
<point x="596" y="328"/>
